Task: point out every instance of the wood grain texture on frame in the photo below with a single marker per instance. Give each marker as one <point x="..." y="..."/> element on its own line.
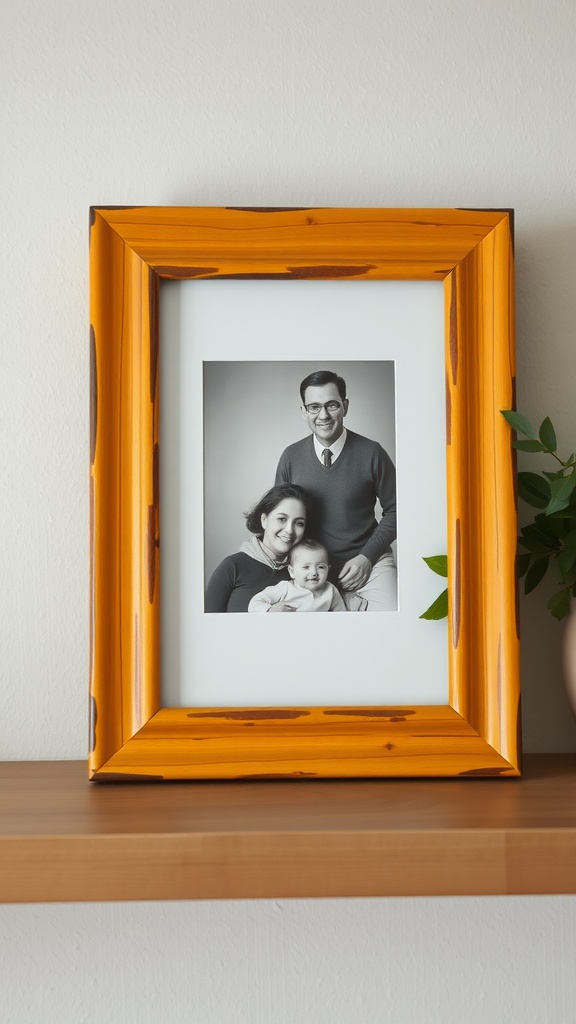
<point x="131" y="249"/>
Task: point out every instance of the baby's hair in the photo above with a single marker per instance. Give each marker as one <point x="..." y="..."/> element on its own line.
<point x="309" y="544"/>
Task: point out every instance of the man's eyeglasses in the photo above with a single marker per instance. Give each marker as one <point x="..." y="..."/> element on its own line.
<point x="314" y="408"/>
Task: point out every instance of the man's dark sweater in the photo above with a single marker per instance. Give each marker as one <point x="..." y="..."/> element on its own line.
<point x="344" y="496"/>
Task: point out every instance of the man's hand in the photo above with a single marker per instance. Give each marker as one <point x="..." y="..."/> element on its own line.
<point x="281" y="607"/>
<point x="355" y="573"/>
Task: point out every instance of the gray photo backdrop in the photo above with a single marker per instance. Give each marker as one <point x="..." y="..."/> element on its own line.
<point x="252" y="412"/>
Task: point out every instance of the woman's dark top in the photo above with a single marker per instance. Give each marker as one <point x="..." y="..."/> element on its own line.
<point x="236" y="580"/>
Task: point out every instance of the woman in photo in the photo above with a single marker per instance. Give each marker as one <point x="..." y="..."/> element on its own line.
<point x="276" y="523"/>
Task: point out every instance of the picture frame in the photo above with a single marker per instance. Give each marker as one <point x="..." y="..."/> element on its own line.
<point x="131" y="735"/>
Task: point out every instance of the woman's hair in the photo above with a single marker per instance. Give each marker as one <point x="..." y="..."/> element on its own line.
<point x="269" y="502"/>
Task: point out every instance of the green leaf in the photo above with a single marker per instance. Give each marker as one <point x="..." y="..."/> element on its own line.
<point x="547" y="435"/>
<point x="438" y="564"/>
<point x="553" y="528"/>
<point x="519" y="423"/>
<point x="536" y="548"/>
<point x="560" y="491"/>
<point x="534" y="489"/>
<point x="553" y="476"/>
<point x="538" y="538"/>
<point x="566" y="559"/>
<point x="559" y="604"/>
<point x="522" y="564"/>
<point x="556" y="507"/>
<point x="528" y="446"/>
<point x="439" y="608"/>
<point x="535" y="574"/>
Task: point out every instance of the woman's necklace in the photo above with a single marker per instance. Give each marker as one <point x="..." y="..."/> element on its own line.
<point x="275" y="563"/>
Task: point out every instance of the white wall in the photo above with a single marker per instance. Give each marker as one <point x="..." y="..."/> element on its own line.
<point x="261" y="102"/>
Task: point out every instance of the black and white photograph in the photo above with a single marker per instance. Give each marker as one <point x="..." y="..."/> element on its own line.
<point x="302" y="468"/>
<point x="300" y="503"/>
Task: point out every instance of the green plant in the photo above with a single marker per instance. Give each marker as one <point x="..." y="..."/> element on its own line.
<point x="439" y="608"/>
<point x="551" y="538"/>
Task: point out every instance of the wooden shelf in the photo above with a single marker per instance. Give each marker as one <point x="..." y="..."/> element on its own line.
<point x="63" y="838"/>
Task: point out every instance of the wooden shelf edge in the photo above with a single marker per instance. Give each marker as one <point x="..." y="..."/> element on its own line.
<point x="77" y="869"/>
<point x="62" y="839"/>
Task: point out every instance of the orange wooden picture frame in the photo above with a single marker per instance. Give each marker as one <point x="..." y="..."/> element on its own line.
<point x="132" y="735"/>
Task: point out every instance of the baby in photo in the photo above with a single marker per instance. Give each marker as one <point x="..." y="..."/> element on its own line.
<point x="307" y="590"/>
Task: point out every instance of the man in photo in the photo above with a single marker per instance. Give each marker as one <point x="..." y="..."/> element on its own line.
<point x="346" y="474"/>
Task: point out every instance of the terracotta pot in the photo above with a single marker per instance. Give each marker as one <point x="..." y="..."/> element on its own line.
<point x="570" y="658"/>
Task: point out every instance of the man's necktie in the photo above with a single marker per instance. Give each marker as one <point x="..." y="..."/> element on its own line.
<point x="327" y="457"/>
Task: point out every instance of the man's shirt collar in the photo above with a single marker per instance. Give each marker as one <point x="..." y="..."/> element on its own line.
<point x="335" y="448"/>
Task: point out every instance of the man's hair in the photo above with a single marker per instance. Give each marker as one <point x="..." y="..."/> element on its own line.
<point x="309" y="545"/>
<point x="269" y="502"/>
<point x="321" y="377"/>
